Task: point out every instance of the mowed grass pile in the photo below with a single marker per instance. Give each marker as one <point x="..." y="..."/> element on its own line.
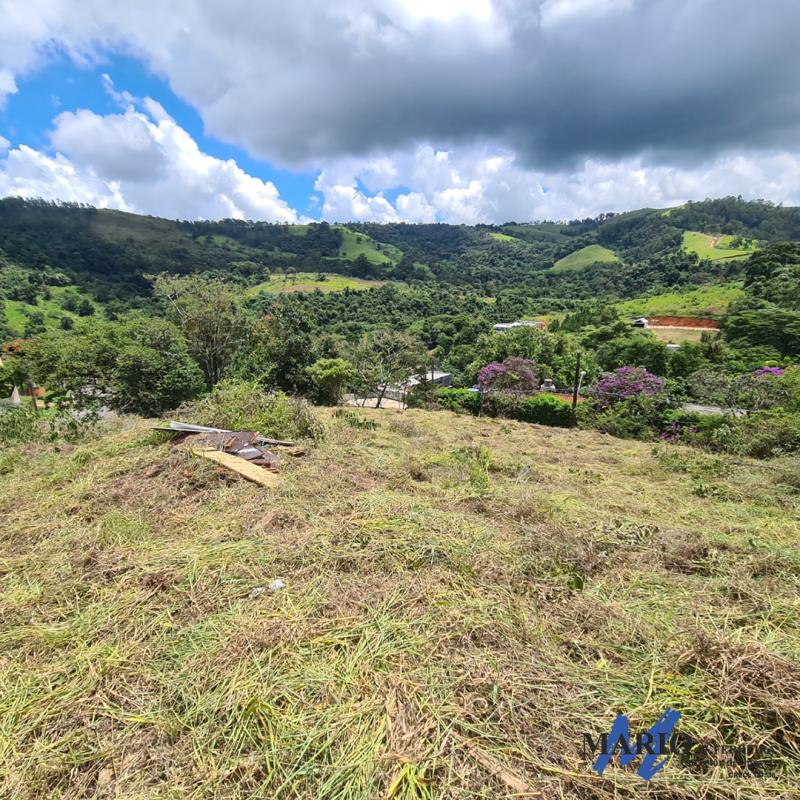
<point x="464" y="598"/>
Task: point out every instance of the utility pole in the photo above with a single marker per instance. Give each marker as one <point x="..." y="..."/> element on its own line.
<point x="576" y="382"/>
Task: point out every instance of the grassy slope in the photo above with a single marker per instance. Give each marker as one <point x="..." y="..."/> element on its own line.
<point x="308" y="282"/>
<point x="355" y="244"/>
<point x="714" y="248"/>
<point x="585" y="257"/>
<point x="464" y="597"/>
<point x="711" y="300"/>
<point x="503" y="237"/>
<point x="17" y="312"/>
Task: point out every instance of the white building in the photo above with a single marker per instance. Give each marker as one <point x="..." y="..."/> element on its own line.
<point x="502" y="327"/>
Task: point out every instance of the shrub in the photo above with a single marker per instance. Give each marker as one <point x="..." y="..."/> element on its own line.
<point x="545" y="409"/>
<point x="770" y="433"/>
<point x="330" y="377"/>
<point x="462" y="401"/>
<point x="243" y="405"/>
<point x="642" y="417"/>
<point x="18" y="425"/>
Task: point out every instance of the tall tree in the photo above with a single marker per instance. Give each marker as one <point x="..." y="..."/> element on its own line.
<point x="207" y="312"/>
<point x="384" y="358"/>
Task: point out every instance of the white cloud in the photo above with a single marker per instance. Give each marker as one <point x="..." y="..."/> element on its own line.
<point x="138" y="162"/>
<point x="460" y="110"/>
<point x="7" y="85"/>
<point x="472" y="185"/>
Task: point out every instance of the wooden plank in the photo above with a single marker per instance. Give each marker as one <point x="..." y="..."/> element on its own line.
<point x="247" y="470"/>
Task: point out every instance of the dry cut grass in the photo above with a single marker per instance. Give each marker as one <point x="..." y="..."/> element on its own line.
<point x="464" y="598"/>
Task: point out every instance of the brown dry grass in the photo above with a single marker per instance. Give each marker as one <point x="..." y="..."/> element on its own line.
<point x="464" y="598"/>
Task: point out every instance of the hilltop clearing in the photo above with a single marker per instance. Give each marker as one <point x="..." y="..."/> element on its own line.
<point x="309" y="282"/>
<point x="463" y="599"/>
<point x="716" y="247"/>
<point x="585" y="257"/>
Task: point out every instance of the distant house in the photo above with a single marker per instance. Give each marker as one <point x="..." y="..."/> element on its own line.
<point x="672" y="347"/>
<point x="437" y="378"/>
<point x="502" y="327"/>
<point x="640" y="322"/>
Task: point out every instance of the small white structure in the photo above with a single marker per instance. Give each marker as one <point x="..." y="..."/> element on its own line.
<point x="640" y="322"/>
<point x="437" y="378"/>
<point x="502" y="327"/>
<point x="672" y="347"/>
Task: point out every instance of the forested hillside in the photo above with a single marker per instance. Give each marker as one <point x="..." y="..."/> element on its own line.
<point x="108" y="253"/>
<point x="138" y="314"/>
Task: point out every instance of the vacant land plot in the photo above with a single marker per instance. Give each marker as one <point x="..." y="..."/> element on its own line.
<point x="585" y="257"/>
<point x="714" y="246"/>
<point x="309" y="282"/>
<point x="711" y="301"/>
<point x="677" y="335"/>
<point x="355" y="244"/>
<point x="463" y="599"/>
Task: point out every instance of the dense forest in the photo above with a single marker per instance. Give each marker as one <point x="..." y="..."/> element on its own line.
<point x="139" y="313"/>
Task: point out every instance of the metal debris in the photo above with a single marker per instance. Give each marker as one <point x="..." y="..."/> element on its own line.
<point x="221" y="445"/>
<point x="276" y="586"/>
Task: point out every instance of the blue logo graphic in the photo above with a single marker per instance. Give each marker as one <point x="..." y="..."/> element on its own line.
<point x="658" y="741"/>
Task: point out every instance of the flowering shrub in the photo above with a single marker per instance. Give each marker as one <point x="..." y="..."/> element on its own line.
<point x="627" y="382"/>
<point x="514" y="376"/>
<point x="767" y="372"/>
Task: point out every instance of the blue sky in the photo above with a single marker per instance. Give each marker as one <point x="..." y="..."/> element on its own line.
<point x="461" y="111"/>
<point x="64" y="85"/>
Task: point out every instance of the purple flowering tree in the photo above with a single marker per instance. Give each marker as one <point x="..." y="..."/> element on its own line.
<point x="769" y="372"/>
<point x="514" y="376"/>
<point x="627" y="382"/>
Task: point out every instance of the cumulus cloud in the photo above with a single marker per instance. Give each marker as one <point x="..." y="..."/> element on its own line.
<point x="472" y="185"/>
<point x="555" y="80"/>
<point x="138" y="161"/>
<point x="462" y="110"/>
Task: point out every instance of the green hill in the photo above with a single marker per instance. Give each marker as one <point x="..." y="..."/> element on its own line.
<point x="107" y="255"/>
<point x="585" y="257"/>
<point x="355" y="244"/>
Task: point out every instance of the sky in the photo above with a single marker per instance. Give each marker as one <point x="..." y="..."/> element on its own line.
<point x="459" y="111"/>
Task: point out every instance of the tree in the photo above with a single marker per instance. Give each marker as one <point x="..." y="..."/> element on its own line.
<point x="137" y="364"/>
<point x="206" y="311"/>
<point x="513" y="376"/>
<point x="35" y="324"/>
<point x="627" y="382"/>
<point x="383" y="358"/>
<point x="331" y="376"/>
<point x="85" y="308"/>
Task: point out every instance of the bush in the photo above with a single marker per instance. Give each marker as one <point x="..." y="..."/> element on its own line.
<point x="642" y="417"/>
<point x="545" y="409"/>
<point x="761" y="434"/>
<point x="770" y="433"/>
<point x="330" y="377"/>
<point x="22" y="424"/>
<point x="244" y="406"/>
<point x="462" y="401"/>
<point x="18" y="425"/>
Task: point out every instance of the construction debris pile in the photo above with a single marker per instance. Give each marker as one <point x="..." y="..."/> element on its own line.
<point x="243" y="452"/>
